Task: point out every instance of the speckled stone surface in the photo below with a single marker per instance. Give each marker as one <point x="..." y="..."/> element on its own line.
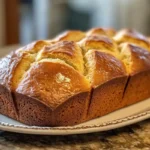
<point x="134" y="137"/>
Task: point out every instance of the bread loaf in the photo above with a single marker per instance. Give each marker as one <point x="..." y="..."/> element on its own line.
<point x="75" y="77"/>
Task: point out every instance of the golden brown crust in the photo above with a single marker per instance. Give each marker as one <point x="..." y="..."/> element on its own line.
<point x="33" y="112"/>
<point x="98" y="42"/>
<point x="110" y="31"/>
<point x="138" y="58"/>
<point x="132" y="36"/>
<point x="35" y="47"/>
<point x="137" y="89"/>
<point x="7" y="105"/>
<point x="7" y="66"/>
<point x="108" y="78"/>
<point x="65" y="47"/>
<point x="103" y="67"/>
<point x="52" y="82"/>
<point x="72" y="35"/>
<point x="72" y="112"/>
<point x="138" y="86"/>
<point x="107" y="97"/>
<point x="101" y="31"/>
<point x="68" y="51"/>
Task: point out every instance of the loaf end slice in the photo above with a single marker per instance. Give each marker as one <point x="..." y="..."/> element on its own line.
<point x="101" y="31"/>
<point x="70" y="35"/>
<point x="133" y="37"/>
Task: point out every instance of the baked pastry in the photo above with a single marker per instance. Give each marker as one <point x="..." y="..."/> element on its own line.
<point x="102" y="31"/>
<point x="75" y="77"/>
<point x="137" y="61"/>
<point x="70" y="35"/>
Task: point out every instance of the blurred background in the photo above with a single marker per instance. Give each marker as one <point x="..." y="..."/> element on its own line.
<point x="23" y="21"/>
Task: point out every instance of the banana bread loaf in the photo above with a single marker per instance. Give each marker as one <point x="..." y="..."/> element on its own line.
<point x="75" y="77"/>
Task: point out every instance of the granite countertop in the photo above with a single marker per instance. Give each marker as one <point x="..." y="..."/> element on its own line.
<point x="134" y="137"/>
